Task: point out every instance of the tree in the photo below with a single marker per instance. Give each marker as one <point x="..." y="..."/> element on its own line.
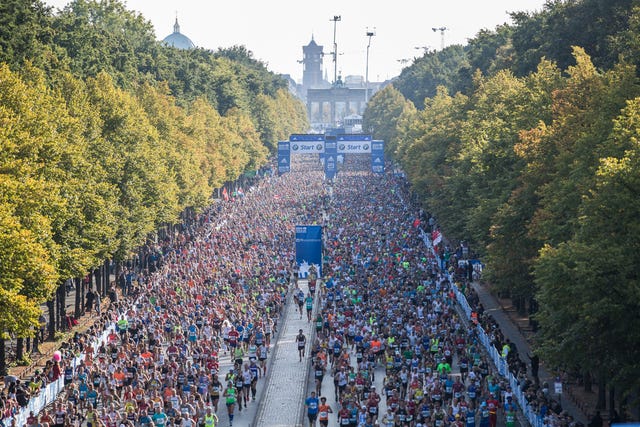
<point x="429" y="144"/>
<point x="383" y="114"/>
<point x="579" y="136"/>
<point x="246" y="140"/>
<point x="278" y="117"/>
<point x="441" y="68"/>
<point x="204" y="125"/>
<point x="128" y="150"/>
<point x="25" y="32"/>
<point x="487" y="49"/>
<point x="103" y="36"/>
<point x="182" y="153"/>
<point x="512" y="249"/>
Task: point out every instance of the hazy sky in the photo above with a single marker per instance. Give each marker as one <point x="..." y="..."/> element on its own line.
<point x="276" y="30"/>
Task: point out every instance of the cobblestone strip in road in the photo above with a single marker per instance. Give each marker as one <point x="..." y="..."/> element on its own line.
<point x="282" y="402"/>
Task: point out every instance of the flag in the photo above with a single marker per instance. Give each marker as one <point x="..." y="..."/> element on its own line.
<point x="416" y="223"/>
<point x="240" y="192"/>
<point x="436" y="237"/>
<point x="225" y="194"/>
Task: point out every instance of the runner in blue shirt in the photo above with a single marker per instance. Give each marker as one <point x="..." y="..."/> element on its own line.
<point x="312" y="404"/>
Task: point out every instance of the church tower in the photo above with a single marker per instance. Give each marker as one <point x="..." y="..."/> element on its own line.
<point x="312" y="63"/>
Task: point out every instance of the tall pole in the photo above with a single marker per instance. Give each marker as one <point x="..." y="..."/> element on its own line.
<point x="442" y="30"/>
<point x="366" y="73"/>
<point x="335" y="19"/>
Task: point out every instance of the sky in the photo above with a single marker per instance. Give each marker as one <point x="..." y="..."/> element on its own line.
<point x="276" y="30"/>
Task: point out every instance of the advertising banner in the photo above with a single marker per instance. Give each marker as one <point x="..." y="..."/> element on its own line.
<point x="354" y="143"/>
<point x="307" y="147"/>
<point x="377" y="156"/>
<point x="330" y="157"/>
<point x="284" y="157"/>
<point x="308" y="249"/>
<point x="306" y="137"/>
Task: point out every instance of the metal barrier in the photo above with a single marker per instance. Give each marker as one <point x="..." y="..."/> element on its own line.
<point x="500" y="362"/>
<point x="50" y="392"/>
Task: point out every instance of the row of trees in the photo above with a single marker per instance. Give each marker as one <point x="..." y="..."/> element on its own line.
<point x="540" y="171"/>
<point x="106" y="135"/>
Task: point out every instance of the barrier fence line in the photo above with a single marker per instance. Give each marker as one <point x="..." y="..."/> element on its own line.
<point x="500" y="362"/>
<point x="50" y="392"/>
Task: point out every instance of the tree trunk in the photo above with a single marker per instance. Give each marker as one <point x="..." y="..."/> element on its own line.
<point x="602" y="392"/>
<point x="62" y="302"/>
<point x="19" y="348"/>
<point x="51" y="305"/>
<point x="143" y="254"/>
<point x="3" y="359"/>
<point x="521" y="306"/>
<point x="106" y="277"/>
<point x="118" y="272"/>
<point x="97" y="275"/>
<point x="612" y="401"/>
<point x="77" y="312"/>
<point x="586" y="378"/>
<point x="83" y="290"/>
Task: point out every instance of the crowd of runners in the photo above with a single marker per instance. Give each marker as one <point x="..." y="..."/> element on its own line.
<point x="386" y="303"/>
<point x="386" y="308"/>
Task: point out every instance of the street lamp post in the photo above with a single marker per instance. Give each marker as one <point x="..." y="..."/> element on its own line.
<point x="442" y="30"/>
<point x="366" y="73"/>
<point x="335" y="19"/>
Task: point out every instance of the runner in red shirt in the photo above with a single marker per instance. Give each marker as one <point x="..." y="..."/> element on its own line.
<point x="234" y="335"/>
<point x="493" y="404"/>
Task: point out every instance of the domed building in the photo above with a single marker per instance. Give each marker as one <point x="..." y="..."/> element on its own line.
<point x="177" y="39"/>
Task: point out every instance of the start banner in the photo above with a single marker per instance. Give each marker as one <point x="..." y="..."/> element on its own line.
<point x="354" y="147"/>
<point x="307" y="147"/>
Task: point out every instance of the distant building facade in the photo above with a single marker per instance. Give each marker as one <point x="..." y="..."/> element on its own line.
<point x="329" y="104"/>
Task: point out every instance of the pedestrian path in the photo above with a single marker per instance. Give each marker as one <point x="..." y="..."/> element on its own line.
<point x="511" y="331"/>
<point x="281" y="403"/>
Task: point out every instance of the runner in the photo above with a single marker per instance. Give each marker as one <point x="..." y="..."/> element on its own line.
<point x="230" y="394"/>
<point x="323" y="412"/>
<point x="210" y="419"/>
<point x="302" y="341"/>
<point x="312" y="404"/>
<point x="309" y="305"/>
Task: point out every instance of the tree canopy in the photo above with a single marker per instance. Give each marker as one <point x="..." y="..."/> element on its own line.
<point x="106" y="134"/>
